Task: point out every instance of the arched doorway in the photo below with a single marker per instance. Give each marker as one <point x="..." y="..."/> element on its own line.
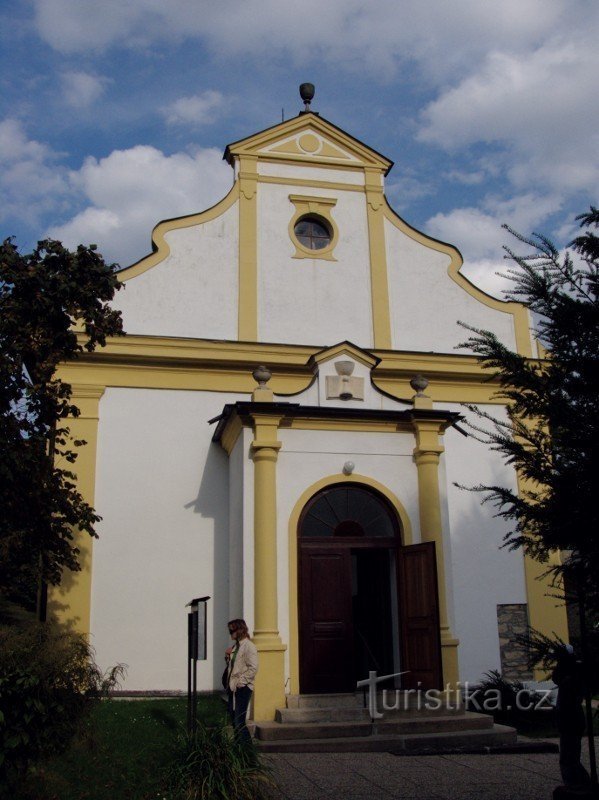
<point x="365" y="601"/>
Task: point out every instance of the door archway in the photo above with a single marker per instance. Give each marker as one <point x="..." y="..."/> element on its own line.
<point x="360" y="608"/>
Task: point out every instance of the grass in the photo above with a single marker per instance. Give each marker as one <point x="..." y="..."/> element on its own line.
<point x="122" y="754"/>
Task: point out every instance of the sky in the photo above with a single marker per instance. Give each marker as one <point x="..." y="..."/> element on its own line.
<point x="114" y="115"/>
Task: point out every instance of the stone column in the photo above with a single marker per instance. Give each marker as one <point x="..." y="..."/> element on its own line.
<point x="269" y="693"/>
<point x="427" y="453"/>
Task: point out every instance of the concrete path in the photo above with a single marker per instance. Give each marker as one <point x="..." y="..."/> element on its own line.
<point x="370" y="776"/>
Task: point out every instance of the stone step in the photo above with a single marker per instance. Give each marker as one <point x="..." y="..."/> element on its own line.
<point x="298" y="716"/>
<point x="390" y="702"/>
<point x="269" y="731"/>
<point x="427" y="724"/>
<point x="335" y="727"/>
<point x="496" y="737"/>
<point x="325" y="700"/>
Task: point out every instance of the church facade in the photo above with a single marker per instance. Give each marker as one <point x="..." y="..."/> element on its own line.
<point x="280" y="430"/>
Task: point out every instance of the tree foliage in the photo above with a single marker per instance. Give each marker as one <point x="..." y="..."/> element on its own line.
<point x="48" y="684"/>
<point x="43" y="296"/>
<point x="551" y="435"/>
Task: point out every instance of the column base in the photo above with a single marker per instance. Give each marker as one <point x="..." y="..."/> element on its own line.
<point x="449" y="660"/>
<point x="269" y="685"/>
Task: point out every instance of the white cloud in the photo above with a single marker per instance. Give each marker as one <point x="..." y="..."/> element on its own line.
<point x="402" y="189"/>
<point x="538" y="105"/>
<point x="487" y="274"/>
<point x="478" y="234"/>
<point x="442" y="37"/>
<point x="130" y="191"/>
<point x="466" y="177"/>
<point x="80" y="89"/>
<point x="198" y="109"/>
<point x="31" y="182"/>
<point x="15" y="146"/>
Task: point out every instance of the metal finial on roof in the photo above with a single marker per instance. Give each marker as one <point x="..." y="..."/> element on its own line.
<point x="306" y="91"/>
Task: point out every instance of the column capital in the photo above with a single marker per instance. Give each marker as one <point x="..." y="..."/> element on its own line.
<point x="428" y="433"/>
<point x="427" y="455"/>
<point x="266" y="428"/>
<point x="87" y="396"/>
<point x="265" y="451"/>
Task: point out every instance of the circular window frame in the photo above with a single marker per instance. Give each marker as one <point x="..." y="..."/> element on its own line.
<point x="314" y="219"/>
<point x="318" y="210"/>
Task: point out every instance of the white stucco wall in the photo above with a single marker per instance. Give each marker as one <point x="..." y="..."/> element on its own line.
<point x="162" y="490"/>
<point x="484" y="575"/>
<point x="306" y="173"/>
<point x="193" y="292"/>
<point x="426" y="303"/>
<point x="306" y="300"/>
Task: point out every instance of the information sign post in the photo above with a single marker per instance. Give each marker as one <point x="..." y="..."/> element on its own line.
<point x="196" y="651"/>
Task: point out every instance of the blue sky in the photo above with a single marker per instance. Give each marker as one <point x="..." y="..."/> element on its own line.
<point x="115" y="115"/>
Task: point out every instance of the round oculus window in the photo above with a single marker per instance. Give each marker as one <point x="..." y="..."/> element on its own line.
<point x="313" y="233"/>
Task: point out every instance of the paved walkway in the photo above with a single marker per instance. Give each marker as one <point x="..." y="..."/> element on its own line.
<point x="370" y="776"/>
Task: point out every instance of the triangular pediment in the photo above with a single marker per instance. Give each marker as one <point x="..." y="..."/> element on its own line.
<point x="311" y="139"/>
<point x="347" y="350"/>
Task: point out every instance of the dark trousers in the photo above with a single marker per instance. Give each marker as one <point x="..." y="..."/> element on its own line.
<point x="237" y="706"/>
<point x="573" y="773"/>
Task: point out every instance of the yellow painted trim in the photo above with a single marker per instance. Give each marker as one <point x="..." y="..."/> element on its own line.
<point x="369" y="426"/>
<point x="546" y="613"/>
<point x="207" y="365"/>
<point x="231" y="434"/>
<point x="379" y="280"/>
<point x="154" y="362"/>
<point x="159" y="244"/>
<point x="248" y="249"/>
<point x="308" y="145"/>
<point x="71" y="601"/>
<point x="406" y="533"/>
<point x="269" y="687"/>
<point x="319" y="207"/>
<point x="331" y="185"/>
<point x="519" y="312"/>
<point x="256" y="143"/>
<point x="346" y="349"/>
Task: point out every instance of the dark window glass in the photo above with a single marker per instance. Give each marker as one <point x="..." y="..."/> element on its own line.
<point x="348" y="511"/>
<point x="313" y="233"/>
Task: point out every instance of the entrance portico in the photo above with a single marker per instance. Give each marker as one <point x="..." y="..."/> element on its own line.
<point x="364" y="591"/>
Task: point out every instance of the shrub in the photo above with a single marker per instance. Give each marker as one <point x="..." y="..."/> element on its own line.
<point x="212" y="764"/>
<point x="48" y="682"/>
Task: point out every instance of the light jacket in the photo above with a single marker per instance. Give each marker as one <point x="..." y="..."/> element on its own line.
<point x="245" y="666"/>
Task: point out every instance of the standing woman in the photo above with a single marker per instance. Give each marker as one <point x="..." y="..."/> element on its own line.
<point x="242" y="666"/>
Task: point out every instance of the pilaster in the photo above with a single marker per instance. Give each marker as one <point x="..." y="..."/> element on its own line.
<point x="248" y="249"/>
<point x="375" y="201"/>
<point x="71" y="601"/>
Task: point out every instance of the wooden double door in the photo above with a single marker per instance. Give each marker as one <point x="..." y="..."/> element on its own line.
<point x="366" y="602"/>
